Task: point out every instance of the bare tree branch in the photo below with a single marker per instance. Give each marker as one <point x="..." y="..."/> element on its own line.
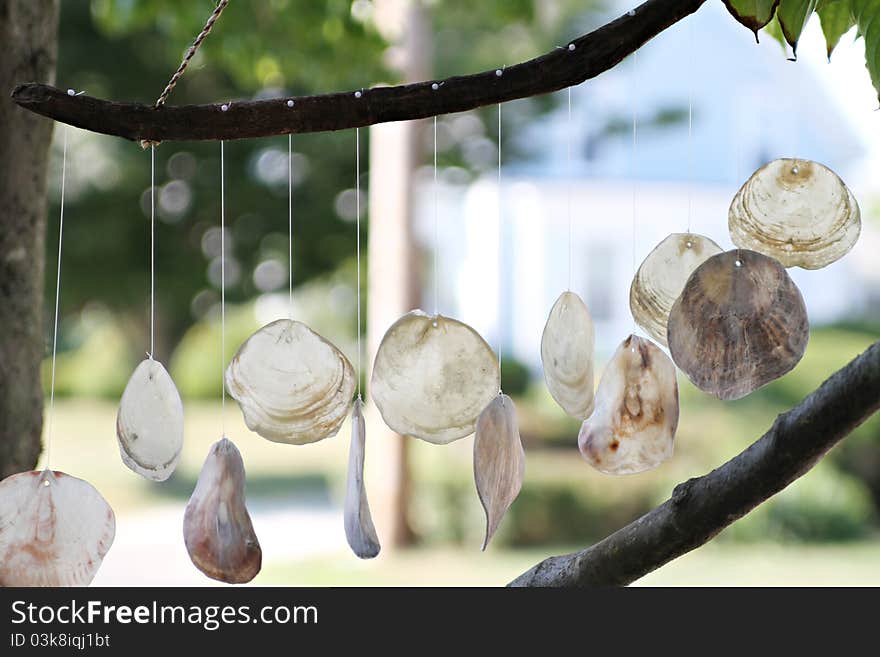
<point x="579" y="60"/>
<point x="700" y="508"/>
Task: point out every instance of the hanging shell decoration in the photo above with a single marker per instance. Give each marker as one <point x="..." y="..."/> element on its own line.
<point x="499" y="461"/>
<point x="633" y="426"/>
<point x="432" y="377"/>
<point x="797" y="211"/>
<point x="54" y="530"/>
<point x="661" y="278"/>
<point x="739" y="324"/>
<point x="359" y="529"/>
<point x="149" y="424"/>
<point x="293" y="386"/>
<point x="217" y="528"/>
<point x="567" y="355"/>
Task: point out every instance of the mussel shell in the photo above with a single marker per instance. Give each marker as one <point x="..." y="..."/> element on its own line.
<point x="359" y="529"/>
<point x="292" y="385"/>
<point x="661" y="278"/>
<point x="636" y="417"/>
<point x="54" y="530"/>
<point x="736" y="327"/>
<point x="567" y="347"/>
<point x="797" y="211"/>
<point x="432" y="377"/>
<point x="149" y="424"/>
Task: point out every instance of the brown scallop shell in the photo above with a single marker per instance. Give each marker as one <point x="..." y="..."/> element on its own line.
<point x="739" y="323"/>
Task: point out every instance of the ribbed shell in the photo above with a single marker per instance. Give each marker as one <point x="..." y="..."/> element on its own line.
<point x="567" y="346"/>
<point x="359" y="529"/>
<point x="737" y="327"/>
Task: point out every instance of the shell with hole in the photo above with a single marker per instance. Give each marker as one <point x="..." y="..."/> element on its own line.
<point x="292" y="385"/>
<point x="217" y="528"/>
<point x="739" y="324"/>
<point x="661" y="278"/>
<point x="567" y="346"/>
<point x="797" y="211"/>
<point x="499" y="461"/>
<point x="54" y="530"/>
<point x="432" y="377"/>
<point x="633" y="426"/>
<point x="149" y="424"/>
<point x="359" y="529"/>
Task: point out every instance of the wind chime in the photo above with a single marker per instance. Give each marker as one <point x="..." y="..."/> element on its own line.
<point x="733" y="321"/>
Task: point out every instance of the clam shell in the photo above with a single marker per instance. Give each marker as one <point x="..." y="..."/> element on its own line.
<point x="633" y="426"/>
<point x="499" y="461"/>
<point x="661" y="278"/>
<point x="432" y="377"/>
<point x="54" y="530"/>
<point x="359" y="529"/>
<point x="217" y="528"/>
<point x="567" y="346"/>
<point x="737" y="327"/>
<point x="149" y="424"/>
<point x="292" y="385"/>
<point x="797" y="211"/>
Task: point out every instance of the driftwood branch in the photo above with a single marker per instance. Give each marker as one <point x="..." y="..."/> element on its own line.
<point x="702" y="507"/>
<point x="579" y="60"/>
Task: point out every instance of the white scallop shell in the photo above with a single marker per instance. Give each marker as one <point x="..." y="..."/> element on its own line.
<point x="292" y="385"/>
<point x="636" y="416"/>
<point x="797" y="211"/>
<point x="432" y="377"/>
<point x="149" y="424"/>
<point x="54" y="530"/>
<point x="359" y="529"/>
<point x="567" y="346"/>
<point x="499" y="461"/>
<point x="661" y="278"/>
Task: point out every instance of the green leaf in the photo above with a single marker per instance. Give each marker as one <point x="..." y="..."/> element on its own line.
<point x="754" y="14"/>
<point x="793" y="16"/>
<point x="837" y="19"/>
<point x="775" y="31"/>
<point x="867" y="16"/>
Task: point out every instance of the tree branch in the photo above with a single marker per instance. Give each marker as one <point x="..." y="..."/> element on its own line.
<point x="702" y="507"/>
<point x="591" y="55"/>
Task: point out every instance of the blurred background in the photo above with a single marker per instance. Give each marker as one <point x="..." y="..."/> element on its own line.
<point x="750" y="105"/>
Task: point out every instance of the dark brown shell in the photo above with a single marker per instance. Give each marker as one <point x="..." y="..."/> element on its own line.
<point x="739" y="323"/>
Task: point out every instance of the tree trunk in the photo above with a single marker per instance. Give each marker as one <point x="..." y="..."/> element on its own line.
<point x="393" y="276"/>
<point x="29" y="34"/>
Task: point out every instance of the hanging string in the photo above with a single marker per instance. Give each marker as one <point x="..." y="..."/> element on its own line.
<point x="290" y="223"/>
<point x="223" y="287"/>
<point x="690" y="145"/>
<point x="634" y="173"/>
<point x="152" y="249"/>
<point x="51" y="423"/>
<point x="357" y="196"/>
<point x="569" y="190"/>
<point x="436" y="230"/>
<point x="500" y="241"/>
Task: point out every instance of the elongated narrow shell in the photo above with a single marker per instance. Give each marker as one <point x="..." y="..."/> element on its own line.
<point x="739" y="324"/>
<point x="499" y="461"/>
<point x="633" y="426"/>
<point x="797" y="211"/>
<point x="149" y="424"/>
<point x="359" y="529"/>
<point x="661" y="278"/>
<point x="567" y="355"/>
<point x="293" y="386"/>
<point x="54" y="530"/>
<point x="217" y="528"/>
<point x="432" y="377"/>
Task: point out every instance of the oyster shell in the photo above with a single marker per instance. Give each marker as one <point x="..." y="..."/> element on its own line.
<point x="149" y="424"/>
<point x="359" y="529"/>
<point x="797" y="211"/>
<point x="633" y="426"/>
<point x="499" y="460"/>
<point x="739" y="324"/>
<point x="292" y="385"/>
<point x="432" y="377"/>
<point x="217" y="528"/>
<point x="567" y="355"/>
<point x="54" y="530"/>
<point x="661" y="278"/>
